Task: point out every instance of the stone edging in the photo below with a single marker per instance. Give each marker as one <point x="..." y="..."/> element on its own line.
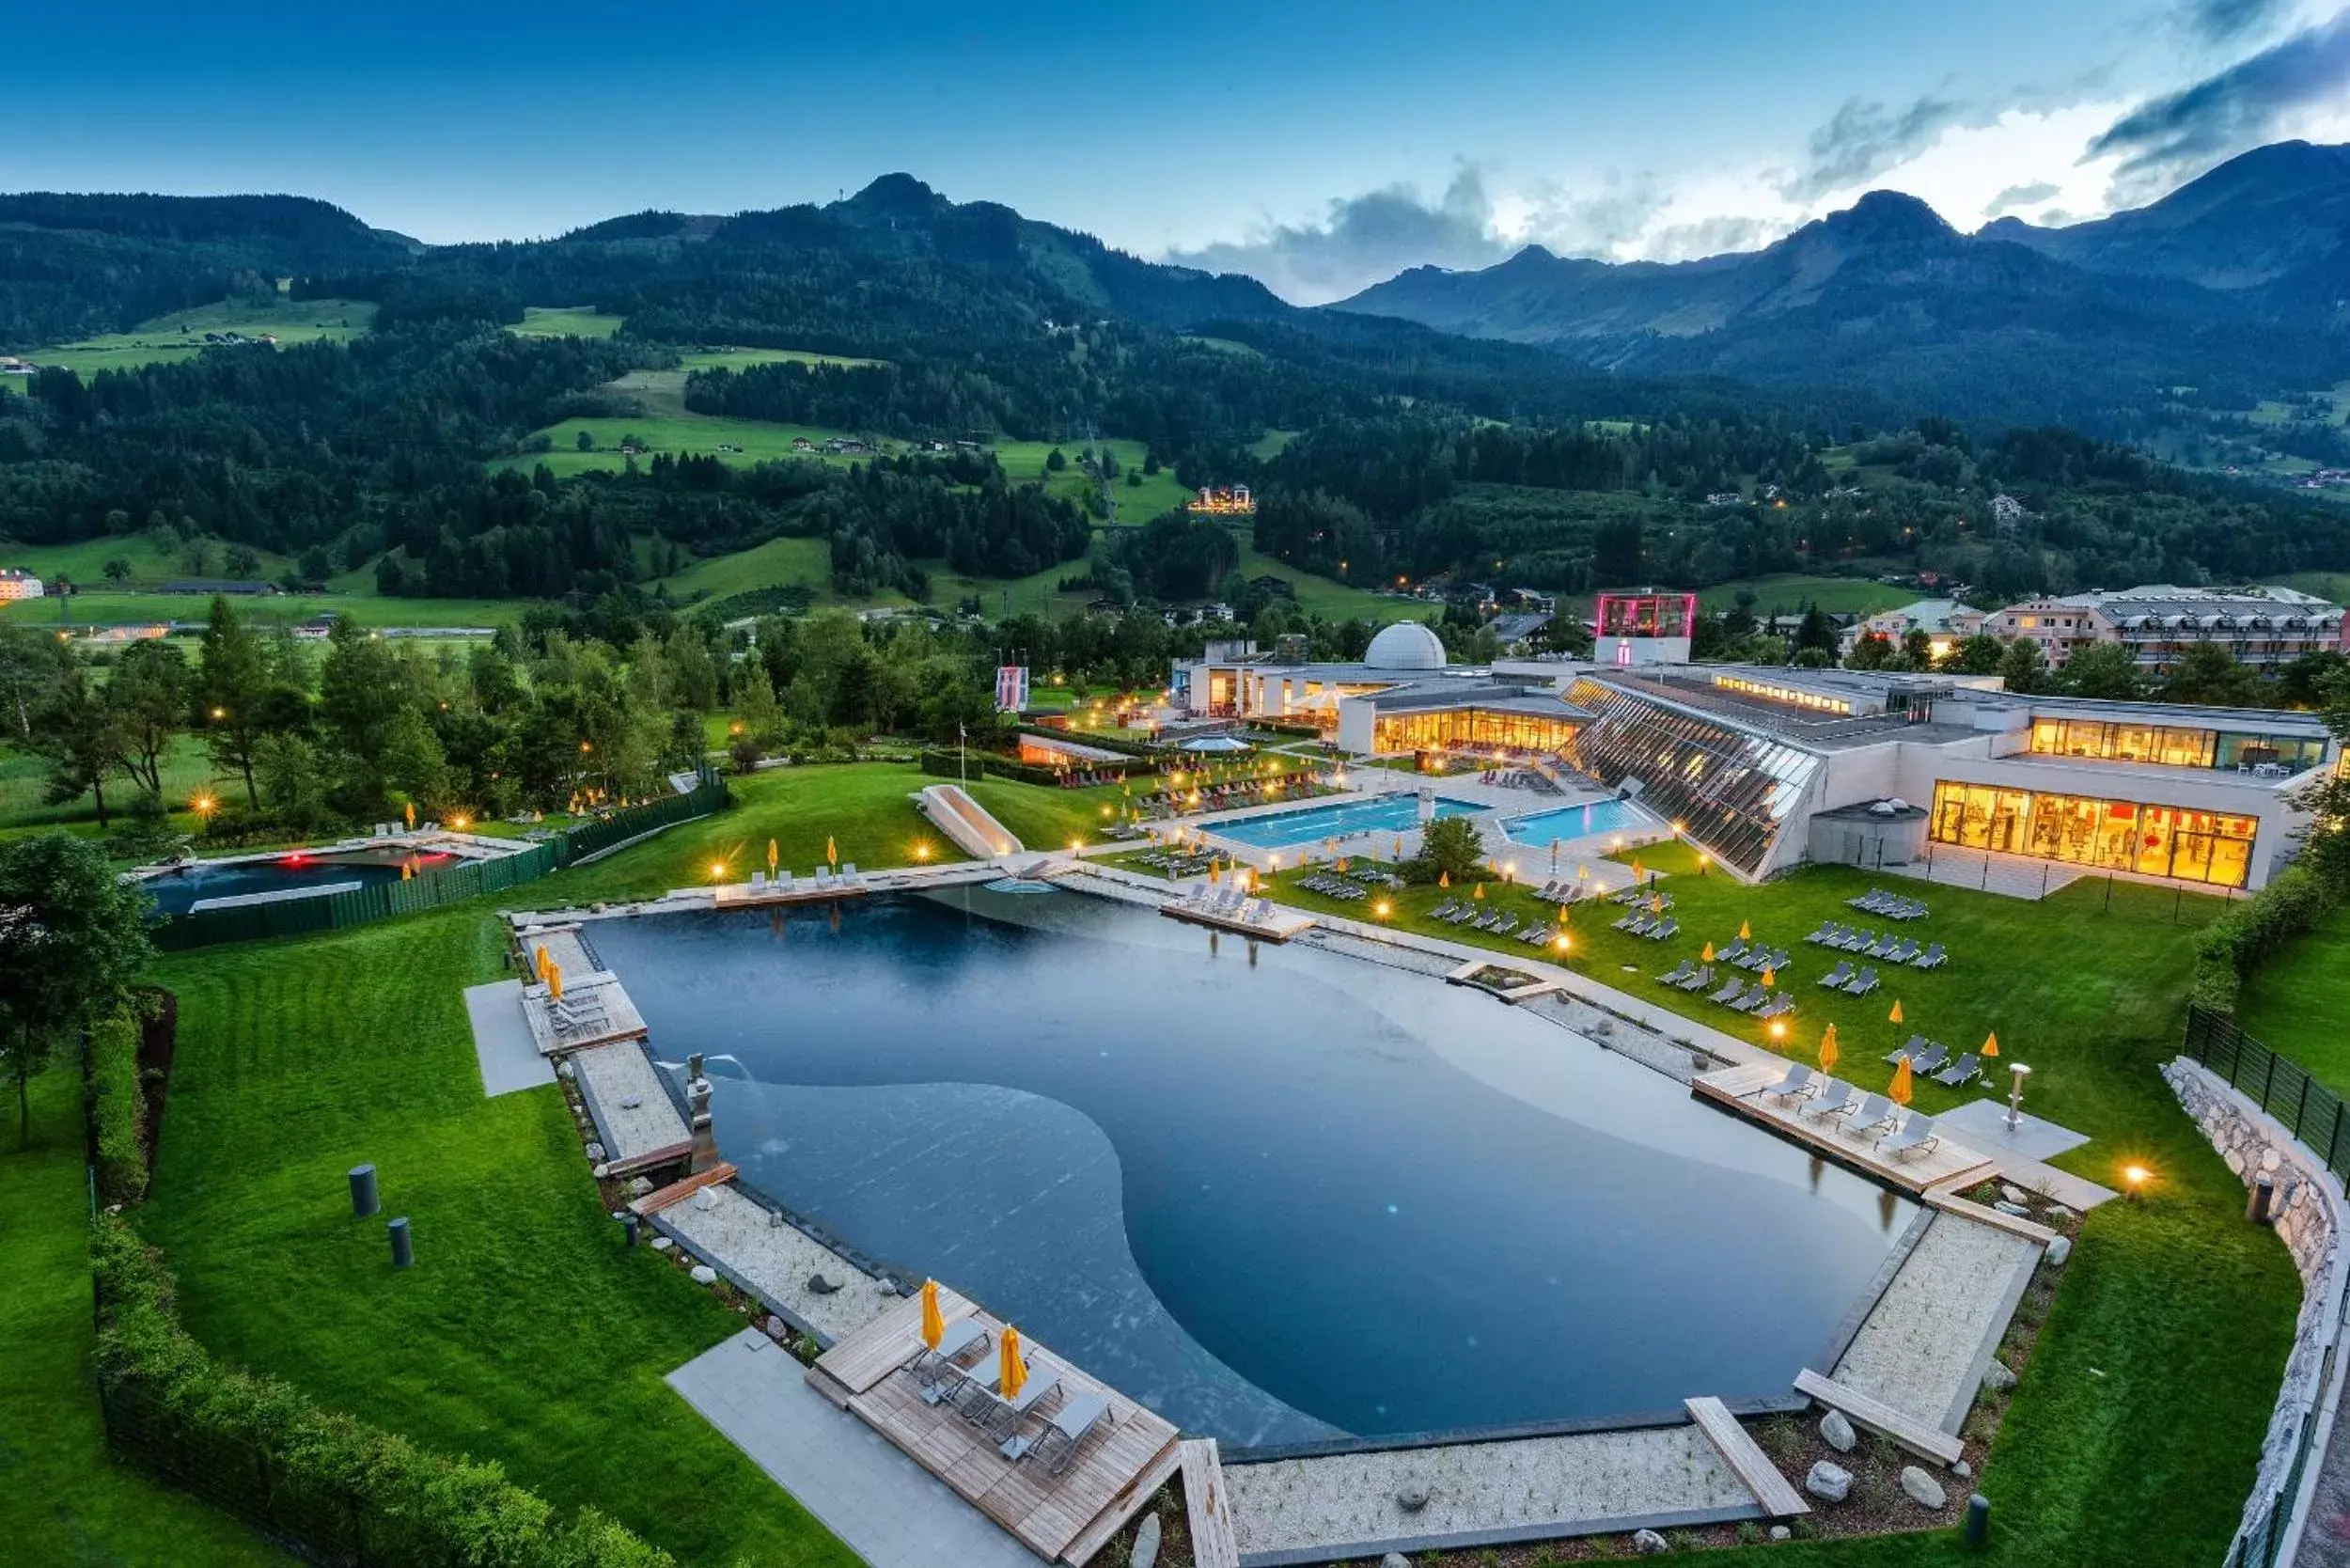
<point x="2308" y="1213"/>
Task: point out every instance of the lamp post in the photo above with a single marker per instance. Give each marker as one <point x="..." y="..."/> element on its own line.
<point x="2017" y="1074"/>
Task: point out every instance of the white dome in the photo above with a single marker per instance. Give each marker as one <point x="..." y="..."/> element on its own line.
<point x="1405" y="645"/>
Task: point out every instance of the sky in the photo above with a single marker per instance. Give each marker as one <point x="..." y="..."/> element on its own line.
<point x="1320" y="146"/>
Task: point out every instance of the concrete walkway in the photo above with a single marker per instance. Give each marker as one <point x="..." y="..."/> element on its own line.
<point x="886" y="1508"/>
<point x="502" y="1040"/>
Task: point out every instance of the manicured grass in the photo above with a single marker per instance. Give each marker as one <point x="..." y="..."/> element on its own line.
<point x="110" y="608"/>
<point x="169" y="339"/>
<point x="2298" y="1001"/>
<point x="779" y="562"/>
<point x="2133" y="1439"/>
<point x="1786" y="593"/>
<point x="565" y="321"/>
<point x="64" y="1498"/>
<point x="528" y="1333"/>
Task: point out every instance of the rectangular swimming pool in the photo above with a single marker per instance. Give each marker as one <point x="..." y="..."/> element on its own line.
<point x="1576" y="821"/>
<point x="1395" y="814"/>
<point x="1278" y="1194"/>
<point x="176" y="889"/>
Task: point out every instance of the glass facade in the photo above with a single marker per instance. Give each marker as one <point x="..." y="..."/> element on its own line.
<point x="1439" y="729"/>
<point x="2153" y="840"/>
<point x="1732" y="791"/>
<point x="2173" y="746"/>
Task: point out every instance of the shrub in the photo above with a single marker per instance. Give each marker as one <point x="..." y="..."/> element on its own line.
<point x="2228" y="950"/>
<point x="1447" y="847"/>
<point x="260" y="1447"/>
<point x="118" y="1106"/>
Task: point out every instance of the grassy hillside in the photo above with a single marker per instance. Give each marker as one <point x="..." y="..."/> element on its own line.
<point x="109" y="608"/>
<point x="179" y="335"/>
<point x="1786" y="593"/>
<point x="565" y="321"/>
<point x="777" y="563"/>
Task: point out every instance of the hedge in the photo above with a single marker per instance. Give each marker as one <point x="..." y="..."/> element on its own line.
<point x="345" y="1491"/>
<point x="118" y="1107"/>
<point x="2228" y="950"/>
<point x="948" y="764"/>
<point x="1137" y="749"/>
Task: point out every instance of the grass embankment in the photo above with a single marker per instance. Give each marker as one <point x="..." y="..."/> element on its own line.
<point x="2133" y="1439"/>
<point x="179" y="335"/>
<point x="2297" y="1001"/>
<point x="64" y="1498"/>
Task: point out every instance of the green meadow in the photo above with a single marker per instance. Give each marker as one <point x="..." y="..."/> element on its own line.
<point x="168" y="340"/>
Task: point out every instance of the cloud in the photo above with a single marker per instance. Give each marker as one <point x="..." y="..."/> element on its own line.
<point x="2181" y="135"/>
<point x="1864" y="139"/>
<point x="2230" y="20"/>
<point x="2014" y="196"/>
<point x="1364" y="240"/>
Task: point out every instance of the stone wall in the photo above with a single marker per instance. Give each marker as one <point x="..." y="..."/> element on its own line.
<point x="2309" y="1213"/>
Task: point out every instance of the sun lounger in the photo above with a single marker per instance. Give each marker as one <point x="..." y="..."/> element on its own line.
<point x="1698" y="982"/>
<point x="848" y="874"/>
<point x="1862" y="983"/>
<point x="1678" y="973"/>
<point x="1798" y="1081"/>
<point x="1857" y="941"/>
<point x="1509" y="923"/>
<point x="1756" y="999"/>
<point x="1731" y="954"/>
<point x="1934" y="1057"/>
<point x="759" y="882"/>
<point x="939" y="1372"/>
<point x="1914" y="1046"/>
<point x="1839" y="975"/>
<point x="1783" y="1004"/>
<point x="1730" y="992"/>
<point x="1659" y="933"/>
<point x="1873" y="1111"/>
<point x="783" y="881"/>
<point x="1933" y="957"/>
<point x="1881" y="946"/>
<point x="1826" y="929"/>
<point x="1834" y="1098"/>
<point x="1915" y="1134"/>
<point x="1903" y="951"/>
<point x="1960" y="1072"/>
<point x="1058" y="1442"/>
<point x="1537" y="936"/>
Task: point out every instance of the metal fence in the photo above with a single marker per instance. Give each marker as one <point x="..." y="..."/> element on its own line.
<point x="432" y="889"/>
<point x="2314" y="1115"/>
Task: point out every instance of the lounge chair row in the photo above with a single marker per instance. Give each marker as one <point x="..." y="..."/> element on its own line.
<point x="1827" y="1098"/>
<point x="1843" y="978"/>
<point x="1754" y="955"/>
<point x="947" y="1376"/>
<point x="825" y="880"/>
<point x="1656" y="928"/>
<point x="1894" y="950"/>
<point x="1331" y="886"/>
<point x="1926" y="1057"/>
<point x="1761" y="1000"/>
<point x="1466" y="911"/>
<point x="1893" y="906"/>
<point x="1228" y="904"/>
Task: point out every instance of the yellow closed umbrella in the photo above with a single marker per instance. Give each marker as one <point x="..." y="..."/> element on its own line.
<point x="1656" y="905"/>
<point x="1444" y="879"/>
<point x="1012" y="1372"/>
<point x="539" y="961"/>
<point x="554" y="982"/>
<point x="1708" y="955"/>
<point x="1991" y="1045"/>
<point x="934" y="1321"/>
<point x="1894" y="1016"/>
<point x="409" y="811"/>
<point x="1479" y="893"/>
<point x="1827" y="1050"/>
<point x="772" y="857"/>
<point x="1770" y="977"/>
<point x="1745" y="932"/>
<point x="1899" y="1093"/>
<point x="1399" y="849"/>
<point x="1212" y="875"/>
<point x="832" y="852"/>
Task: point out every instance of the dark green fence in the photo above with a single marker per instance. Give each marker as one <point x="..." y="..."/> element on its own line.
<point x="451" y="884"/>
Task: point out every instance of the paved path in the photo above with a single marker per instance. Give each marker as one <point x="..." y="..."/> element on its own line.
<point x="886" y="1508"/>
<point x="632" y="1110"/>
<point x="502" y="1040"/>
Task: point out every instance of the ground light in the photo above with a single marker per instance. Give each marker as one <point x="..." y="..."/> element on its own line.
<point x="921" y="852"/>
<point x="1778" y="1031"/>
<point x="460" y="822"/>
<point x="204" y="806"/>
<point x="717" y="870"/>
<point x="2135" y="1177"/>
<point x="1383" y="909"/>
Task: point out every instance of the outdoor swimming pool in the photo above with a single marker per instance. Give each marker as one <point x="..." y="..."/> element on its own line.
<point x="1576" y="821"/>
<point x="1279" y="1197"/>
<point x="175" y="891"/>
<point x="1395" y="814"/>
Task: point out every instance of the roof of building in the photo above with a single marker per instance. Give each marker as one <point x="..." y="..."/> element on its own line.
<point x="1932" y="614"/>
<point x="1894" y="810"/>
<point x="1473" y="691"/>
<point x="2166" y="601"/>
<point x="1518" y="628"/>
<point x="1405" y="644"/>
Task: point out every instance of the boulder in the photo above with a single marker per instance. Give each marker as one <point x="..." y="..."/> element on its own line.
<point x="1923" y="1489"/>
<point x="2012" y="1193"/>
<point x="1837" y="1432"/>
<point x="661" y="1244"/>
<point x="632" y="1102"/>
<point x="1146" y="1552"/>
<point x="1828" y="1483"/>
<point x="566" y="1071"/>
<point x="1395" y="1560"/>
<point x="2058" y="1213"/>
<point x="778" y="1328"/>
<point x="705" y="1200"/>
<point x="819" y="1285"/>
<point x="1963" y="1471"/>
<point x="639" y="1186"/>
<point x="2059" y="1249"/>
<point x="595" y="1154"/>
<point x="1646" y="1542"/>
<point x="704" y="1275"/>
<point x="1412" y="1496"/>
<point x="1781" y="1532"/>
<point x="601" y="1172"/>
<point x="2016" y="1209"/>
<point x="1997" y="1378"/>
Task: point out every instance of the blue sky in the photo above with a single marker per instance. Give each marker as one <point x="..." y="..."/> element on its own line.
<point x="1318" y="145"/>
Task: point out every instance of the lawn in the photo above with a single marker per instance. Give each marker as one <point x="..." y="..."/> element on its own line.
<point x="806" y="563"/>
<point x="24" y="785"/>
<point x="1325" y="597"/>
<point x="1786" y="593"/>
<point x="2298" y="1000"/>
<point x="110" y="608"/>
<point x="169" y="339"/>
<point x="84" y="561"/>
<point x="2133" y="1439"/>
<point x="565" y="321"/>
<point x="64" y="1498"/>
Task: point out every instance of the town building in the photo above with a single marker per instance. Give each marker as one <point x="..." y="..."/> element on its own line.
<point x="1945" y="622"/>
<point x="2258" y="626"/>
<point x="19" y="585"/>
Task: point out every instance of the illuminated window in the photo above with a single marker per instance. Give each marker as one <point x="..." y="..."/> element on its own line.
<point x="2153" y="840"/>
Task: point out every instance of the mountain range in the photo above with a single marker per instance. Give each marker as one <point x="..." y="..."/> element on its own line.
<point x="2238" y="284"/>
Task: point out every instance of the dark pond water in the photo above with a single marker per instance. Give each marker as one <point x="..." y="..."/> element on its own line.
<point x="174" y="891"/>
<point x="1277" y="1199"/>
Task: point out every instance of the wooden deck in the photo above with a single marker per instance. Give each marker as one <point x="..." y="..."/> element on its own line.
<point x="1068" y="1518"/>
<point x="678" y="1192"/>
<point x="741" y="895"/>
<point x="1739" y="1089"/>
<point x="1283" y="926"/>
<point x="1746" y="1458"/>
<point x="621" y="1021"/>
<point x="1926" y="1442"/>
<point x="1213" y="1545"/>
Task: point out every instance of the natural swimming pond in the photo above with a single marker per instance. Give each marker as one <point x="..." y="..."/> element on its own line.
<point x="1576" y="821"/>
<point x="1395" y="814"/>
<point x="175" y="891"/>
<point x="1277" y="1199"/>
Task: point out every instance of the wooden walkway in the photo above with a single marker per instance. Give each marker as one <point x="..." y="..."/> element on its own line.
<point x="1746" y="1458"/>
<point x="1208" y="1506"/>
<point x="620" y="1020"/>
<point x="1927" y="1442"/>
<point x="1739" y="1091"/>
<point x="1275" y="930"/>
<point x="741" y="895"/>
<point x="1068" y="1518"/>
